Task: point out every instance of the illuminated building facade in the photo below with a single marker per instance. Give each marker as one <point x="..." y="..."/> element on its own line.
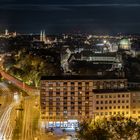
<point x="65" y="100"/>
<point x="112" y="103"/>
<point x="125" y="44"/>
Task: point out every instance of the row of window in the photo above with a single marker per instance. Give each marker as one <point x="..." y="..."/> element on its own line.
<point x="65" y="83"/>
<point x="112" y="107"/>
<point x="110" y="101"/>
<point x="111" y="113"/>
<point x="113" y="96"/>
<point x="136" y="112"/>
<point x="66" y="93"/>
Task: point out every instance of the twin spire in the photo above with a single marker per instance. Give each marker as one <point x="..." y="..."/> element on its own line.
<point x="43" y="36"/>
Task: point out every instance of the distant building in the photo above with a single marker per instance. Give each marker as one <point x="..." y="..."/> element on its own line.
<point x="97" y="58"/>
<point x="6" y="32"/>
<point x="108" y="103"/>
<point x="125" y="44"/>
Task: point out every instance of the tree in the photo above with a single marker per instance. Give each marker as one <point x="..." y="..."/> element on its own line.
<point x="114" y="128"/>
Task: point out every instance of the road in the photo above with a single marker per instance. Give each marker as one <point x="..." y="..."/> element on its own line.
<point x="30" y="121"/>
<point x="7" y="111"/>
<point x="6" y="123"/>
<point x="17" y="82"/>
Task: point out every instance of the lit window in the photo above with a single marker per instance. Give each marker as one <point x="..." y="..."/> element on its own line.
<point x="110" y="113"/>
<point x="106" y="113"/>
<point x="97" y="96"/>
<point x="134" y="112"/>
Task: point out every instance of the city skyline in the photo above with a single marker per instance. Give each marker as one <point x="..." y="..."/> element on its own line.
<point x="104" y="17"/>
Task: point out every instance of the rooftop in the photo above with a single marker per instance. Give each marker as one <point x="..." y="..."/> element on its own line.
<point x="79" y="77"/>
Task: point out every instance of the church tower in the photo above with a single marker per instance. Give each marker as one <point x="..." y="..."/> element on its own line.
<point x="44" y="37"/>
<point x="41" y="36"/>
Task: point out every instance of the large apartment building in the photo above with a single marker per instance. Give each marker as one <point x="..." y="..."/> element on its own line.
<point x="65" y="100"/>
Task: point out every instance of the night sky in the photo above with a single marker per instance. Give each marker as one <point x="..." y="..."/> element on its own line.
<point x="70" y="16"/>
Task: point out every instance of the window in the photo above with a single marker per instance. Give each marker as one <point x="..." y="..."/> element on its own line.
<point x="123" y="95"/>
<point x="57" y="93"/>
<point x="110" y="102"/>
<point x="123" y="101"/>
<point x="105" y="107"/>
<point x="57" y="88"/>
<point x="72" y="93"/>
<point x="65" y="83"/>
<point x="118" y="107"/>
<point x="72" y="88"/>
<point x="72" y="103"/>
<point x="134" y="112"/>
<point x="102" y="96"/>
<point x="79" y="87"/>
<point x="101" y="108"/>
<point x="65" y="98"/>
<point x="79" y="102"/>
<point x="72" y="83"/>
<point x="114" y="96"/>
<point x="118" y="101"/>
<point x="97" y="96"/>
<point x="87" y="83"/>
<point x="106" y="102"/>
<point x="97" y="108"/>
<point x="65" y="103"/>
<point x="118" y="96"/>
<point x="72" y="98"/>
<point x="79" y="83"/>
<point x="101" y="102"/>
<point x="127" y="95"/>
<point x="72" y="107"/>
<point x="127" y="106"/>
<point x="110" y="113"/>
<point x="114" y="101"/>
<point x="106" y="96"/>
<point x="110" y="96"/>
<point x="97" y="102"/>
<point x="65" y="93"/>
<point x="101" y="113"/>
<point x="134" y="101"/>
<point x="110" y="107"/>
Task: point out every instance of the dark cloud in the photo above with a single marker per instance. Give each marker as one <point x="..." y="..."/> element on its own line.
<point x="70" y="16"/>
